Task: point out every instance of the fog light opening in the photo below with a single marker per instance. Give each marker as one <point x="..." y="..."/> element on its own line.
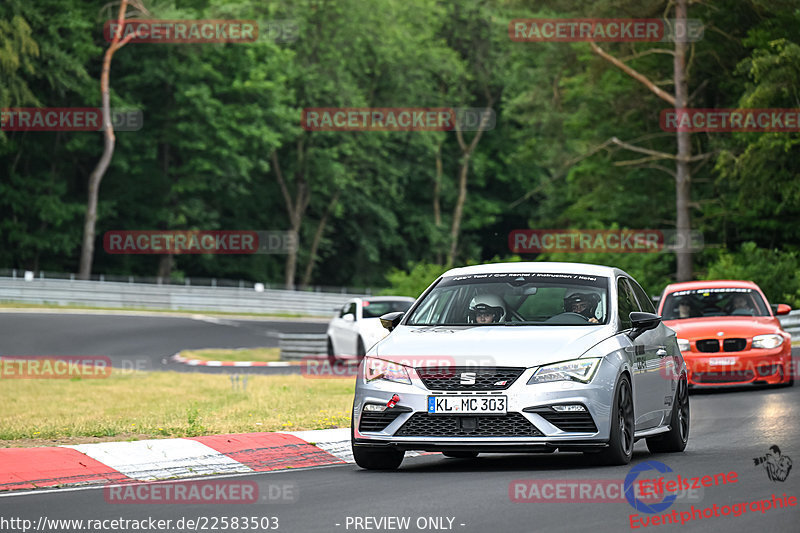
<point x="766" y="370"/>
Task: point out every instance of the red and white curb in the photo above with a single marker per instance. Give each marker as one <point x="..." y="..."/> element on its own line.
<point x="160" y="459"/>
<point x="200" y="362"/>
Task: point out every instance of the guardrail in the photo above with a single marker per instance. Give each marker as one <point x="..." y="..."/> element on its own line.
<point x="295" y="346"/>
<point x="171" y="297"/>
<point x="791" y="323"/>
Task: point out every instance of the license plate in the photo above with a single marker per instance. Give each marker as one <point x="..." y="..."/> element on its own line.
<point x="722" y="361"/>
<point x="439" y="405"/>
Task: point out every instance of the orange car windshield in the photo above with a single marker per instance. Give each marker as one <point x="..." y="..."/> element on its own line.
<point x="727" y="301"/>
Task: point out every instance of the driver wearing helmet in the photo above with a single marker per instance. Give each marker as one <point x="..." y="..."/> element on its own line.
<point x="582" y="304"/>
<point x="486" y="309"/>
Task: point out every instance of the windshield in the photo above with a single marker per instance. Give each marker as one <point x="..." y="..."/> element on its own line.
<point x="376" y="309"/>
<point x="514" y="299"/>
<point x="699" y="303"/>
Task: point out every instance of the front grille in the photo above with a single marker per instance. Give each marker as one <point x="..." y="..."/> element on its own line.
<point x="447" y="378"/>
<point x="734" y="345"/>
<point x="510" y="425"/>
<point x="733" y="376"/>
<point x="708" y="345"/>
<point x="378" y="420"/>
<point x="571" y="421"/>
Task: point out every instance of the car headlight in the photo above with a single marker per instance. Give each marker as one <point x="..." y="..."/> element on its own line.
<point x="576" y="370"/>
<point x="386" y="370"/>
<point x="768" y="341"/>
<point x="683" y="345"/>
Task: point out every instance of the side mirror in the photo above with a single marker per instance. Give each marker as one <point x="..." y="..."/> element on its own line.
<point x="643" y="322"/>
<point x="349" y="317"/>
<point x="781" y="309"/>
<point x="391" y="320"/>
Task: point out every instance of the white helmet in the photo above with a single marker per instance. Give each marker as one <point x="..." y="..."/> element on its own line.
<point x="487" y="303"/>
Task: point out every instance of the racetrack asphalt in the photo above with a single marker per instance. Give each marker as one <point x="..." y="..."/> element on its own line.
<point x="144" y="342"/>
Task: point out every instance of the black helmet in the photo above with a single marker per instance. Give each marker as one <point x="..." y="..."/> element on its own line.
<point x="589" y="300"/>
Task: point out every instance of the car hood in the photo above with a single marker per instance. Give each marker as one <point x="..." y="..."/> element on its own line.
<point x="491" y="345"/>
<point x="730" y="326"/>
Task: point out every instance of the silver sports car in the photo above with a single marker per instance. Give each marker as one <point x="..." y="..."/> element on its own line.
<point x="522" y="357"/>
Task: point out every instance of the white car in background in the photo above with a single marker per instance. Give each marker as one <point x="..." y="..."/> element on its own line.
<point x="357" y="326"/>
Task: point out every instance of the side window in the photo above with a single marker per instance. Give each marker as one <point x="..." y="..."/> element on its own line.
<point x="627" y="303"/>
<point x="645" y="303"/>
<point x="351" y="309"/>
<point x="344" y="310"/>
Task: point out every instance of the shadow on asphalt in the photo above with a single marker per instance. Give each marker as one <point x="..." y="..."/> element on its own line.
<point x="694" y="391"/>
<point x="510" y="463"/>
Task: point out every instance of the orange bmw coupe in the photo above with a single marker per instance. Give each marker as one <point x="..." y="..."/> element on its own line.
<point x="728" y="333"/>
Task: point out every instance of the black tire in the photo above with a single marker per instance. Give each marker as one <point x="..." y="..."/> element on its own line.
<point x="374" y="458"/>
<point x="677" y="437"/>
<point x="461" y="455"/>
<point x="360" y="351"/>
<point x="621" y="439"/>
<point x="378" y="458"/>
<point x="331" y="354"/>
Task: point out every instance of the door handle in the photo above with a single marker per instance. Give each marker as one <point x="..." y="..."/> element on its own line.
<point x="661" y="352"/>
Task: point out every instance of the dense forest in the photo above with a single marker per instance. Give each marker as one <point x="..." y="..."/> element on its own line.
<point x="222" y="145"/>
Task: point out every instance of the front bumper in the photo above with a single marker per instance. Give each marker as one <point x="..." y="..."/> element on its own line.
<point x="753" y="366"/>
<point x="530" y="420"/>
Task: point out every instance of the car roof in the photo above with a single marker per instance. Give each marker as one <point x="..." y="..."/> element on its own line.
<point x="714" y="284"/>
<point x="536" y="266"/>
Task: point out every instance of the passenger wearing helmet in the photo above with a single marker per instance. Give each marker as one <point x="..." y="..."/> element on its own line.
<point x="486" y="309"/>
<point x="582" y="304"/>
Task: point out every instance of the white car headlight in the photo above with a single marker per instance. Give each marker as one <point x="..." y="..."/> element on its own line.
<point x="379" y="369"/>
<point x="576" y="370"/>
<point x="683" y="345"/>
<point x="769" y="341"/>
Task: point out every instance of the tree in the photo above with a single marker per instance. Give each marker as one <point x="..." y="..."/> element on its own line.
<point x="117" y="42"/>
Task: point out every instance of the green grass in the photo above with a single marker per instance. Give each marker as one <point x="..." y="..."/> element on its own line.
<point x="136" y="405"/>
<point x="239" y="354"/>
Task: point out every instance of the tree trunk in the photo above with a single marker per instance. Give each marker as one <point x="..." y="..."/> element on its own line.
<point x="165" y="267"/>
<point x="295" y="209"/>
<point x="683" y="176"/>
<point x="90" y="222"/>
<point x="466" y="155"/>
<point x="312" y="254"/>
<point x="459" y="209"/>
<point x="437" y="210"/>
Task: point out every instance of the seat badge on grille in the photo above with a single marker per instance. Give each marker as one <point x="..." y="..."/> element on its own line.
<point x="501" y="383"/>
<point x="468" y="378"/>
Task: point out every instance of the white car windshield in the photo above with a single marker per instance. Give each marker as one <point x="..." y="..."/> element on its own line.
<point x="514" y="299"/>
